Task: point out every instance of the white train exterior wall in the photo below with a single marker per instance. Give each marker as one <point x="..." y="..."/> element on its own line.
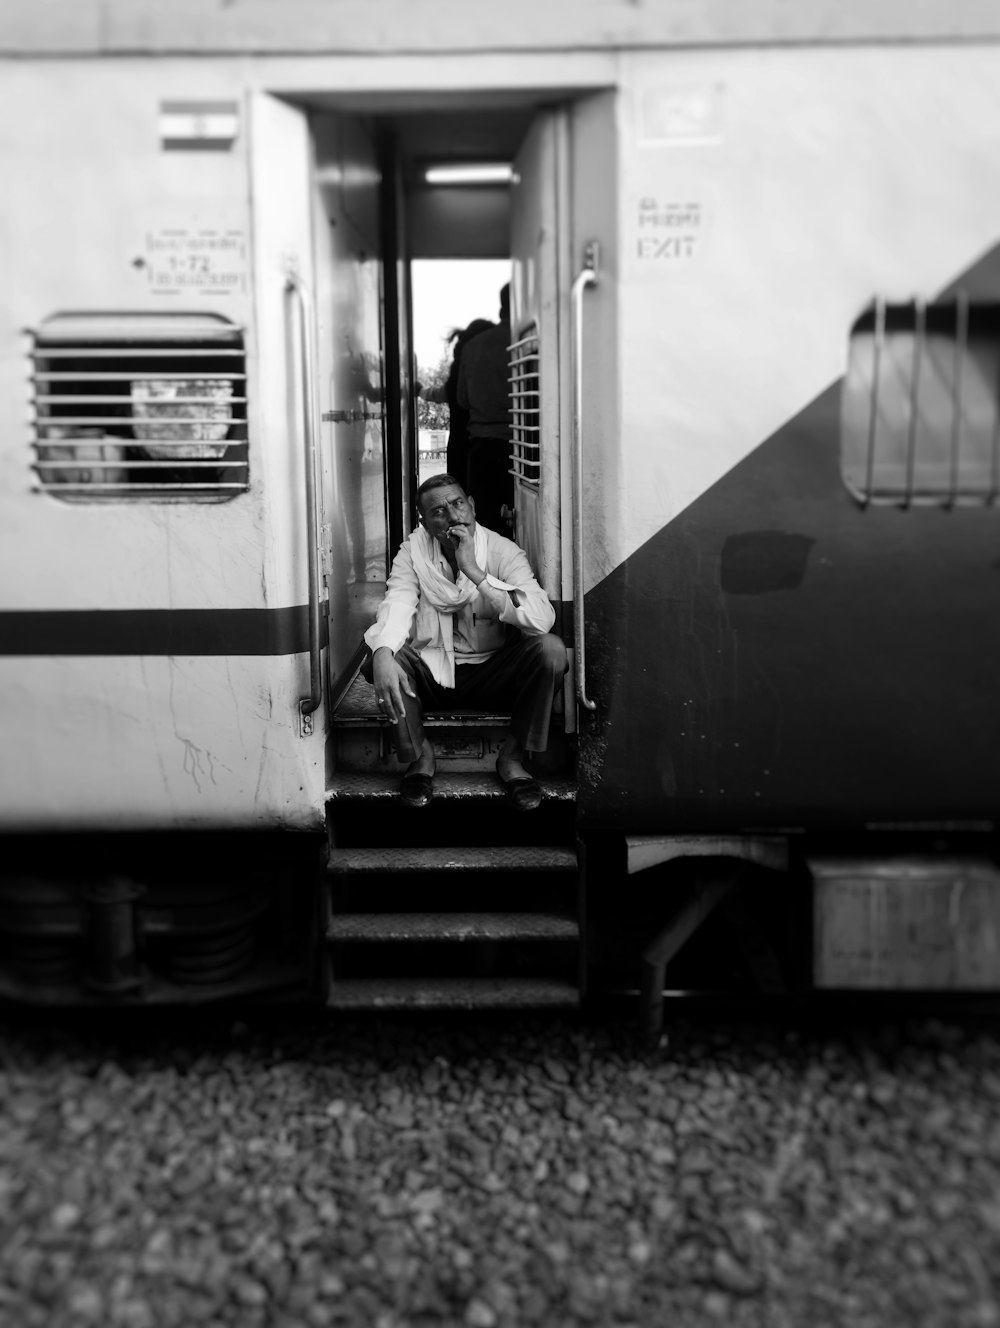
<point x="154" y="733"/>
<point x="764" y="172"/>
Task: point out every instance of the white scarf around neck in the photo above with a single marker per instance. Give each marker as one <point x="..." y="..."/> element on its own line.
<point x="440" y="599"/>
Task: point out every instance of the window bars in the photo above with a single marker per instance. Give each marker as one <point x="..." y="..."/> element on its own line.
<point x="139" y="407"/>
<point x="920" y="405"/>
<point x="525" y="410"/>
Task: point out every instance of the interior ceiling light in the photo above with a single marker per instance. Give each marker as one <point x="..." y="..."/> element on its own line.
<point x="473" y="172"/>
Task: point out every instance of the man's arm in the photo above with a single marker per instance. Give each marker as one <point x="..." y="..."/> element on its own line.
<point x="514" y="595"/>
<point x="528" y="607"/>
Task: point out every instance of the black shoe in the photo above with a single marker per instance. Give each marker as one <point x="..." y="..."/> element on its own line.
<point x="524" y="792"/>
<point x="416" y="790"/>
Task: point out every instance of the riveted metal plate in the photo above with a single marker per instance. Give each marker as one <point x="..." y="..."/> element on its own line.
<point x="470" y="747"/>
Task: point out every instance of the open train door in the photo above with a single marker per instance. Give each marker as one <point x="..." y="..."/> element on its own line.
<point x="596" y="525"/>
<point x="320" y="289"/>
<point x="563" y="370"/>
<point x="284" y="296"/>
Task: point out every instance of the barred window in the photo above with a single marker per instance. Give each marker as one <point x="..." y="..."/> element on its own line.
<point x="920" y="406"/>
<point x="139" y="407"/>
<point x="525" y="407"/>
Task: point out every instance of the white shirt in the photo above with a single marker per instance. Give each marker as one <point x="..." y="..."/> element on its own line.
<point x="509" y="596"/>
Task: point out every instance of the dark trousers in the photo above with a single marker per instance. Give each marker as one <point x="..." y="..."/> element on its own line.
<point x="522" y="676"/>
<point x="490" y="482"/>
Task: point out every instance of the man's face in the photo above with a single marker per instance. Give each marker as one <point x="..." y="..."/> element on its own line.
<point x="446" y="507"/>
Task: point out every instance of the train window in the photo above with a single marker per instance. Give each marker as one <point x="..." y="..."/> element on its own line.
<point x="525" y="409"/>
<point x="920" y="407"/>
<point x="139" y="407"/>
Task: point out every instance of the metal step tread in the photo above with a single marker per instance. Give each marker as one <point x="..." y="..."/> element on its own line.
<point x="435" y="719"/>
<point x="510" y="926"/>
<point x="358" y="708"/>
<point x="457" y="786"/>
<point x="507" y="857"/>
<point x="452" y="994"/>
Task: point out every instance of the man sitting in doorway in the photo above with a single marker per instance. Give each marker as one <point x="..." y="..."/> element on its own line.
<point x="444" y="637"/>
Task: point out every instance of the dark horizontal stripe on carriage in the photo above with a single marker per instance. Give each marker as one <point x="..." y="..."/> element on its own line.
<point x="70" y="632"/>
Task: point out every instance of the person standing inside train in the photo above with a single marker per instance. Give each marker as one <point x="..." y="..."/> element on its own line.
<point x="447" y="394"/>
<point x="484" y="391"/>
<point x="442" y="638"/>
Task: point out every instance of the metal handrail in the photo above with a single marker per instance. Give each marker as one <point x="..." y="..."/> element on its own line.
<point x="994" y="492"/>
<point x="919" y="340"/>
<point x="958" y="366"/>
<point x="878" y="346"/>
<point x="586" y="277"/>
<point x="294" y="286"/>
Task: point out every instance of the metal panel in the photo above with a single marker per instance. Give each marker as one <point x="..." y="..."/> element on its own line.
<point x="127" y="742"/>
<point x="67" y="247"/>
<point x="930" y="923"/>
<point x="187" y="733"/>
<point x="358" y="26"/>
<point x="768" y="654"/>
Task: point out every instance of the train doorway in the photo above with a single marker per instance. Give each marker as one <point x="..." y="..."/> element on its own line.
<point x="508" y="886"/>
<point x="453" y="300"/>
<point x="520" y="224"/>
<point x="371" y="206"/>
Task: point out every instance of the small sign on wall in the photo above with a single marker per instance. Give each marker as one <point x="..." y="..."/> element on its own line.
<point x="678" y="115"/>
<point x="669" y="231"/>
<point x="182" y="260"/>
<point x="198" y="126"/>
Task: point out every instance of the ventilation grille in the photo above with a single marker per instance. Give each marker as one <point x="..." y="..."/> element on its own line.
<point x="920" y="410"/>
<point x="525" y="410"/>
<point x="139" y="408"/>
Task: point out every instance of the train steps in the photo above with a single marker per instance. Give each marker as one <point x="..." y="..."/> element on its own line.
<point x="465" y="904"/>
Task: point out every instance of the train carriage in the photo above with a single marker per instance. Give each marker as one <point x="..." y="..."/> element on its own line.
<point x="755" y="375"/>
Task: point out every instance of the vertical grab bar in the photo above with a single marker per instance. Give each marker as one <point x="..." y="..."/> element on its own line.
<point x="919" y="345"/>
<point x="309" y="704"/>
<point x="958" y="366"/>
<point x="586" y="277"/>
<point x="994" y="492"/>
<point x="878" y="346"/>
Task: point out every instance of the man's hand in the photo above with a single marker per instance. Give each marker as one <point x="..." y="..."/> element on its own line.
<point x="390" y="682"/>
<point x="464" y="545"/>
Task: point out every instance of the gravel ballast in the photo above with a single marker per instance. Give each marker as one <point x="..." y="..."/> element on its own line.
<point x="281" y="1170"/>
